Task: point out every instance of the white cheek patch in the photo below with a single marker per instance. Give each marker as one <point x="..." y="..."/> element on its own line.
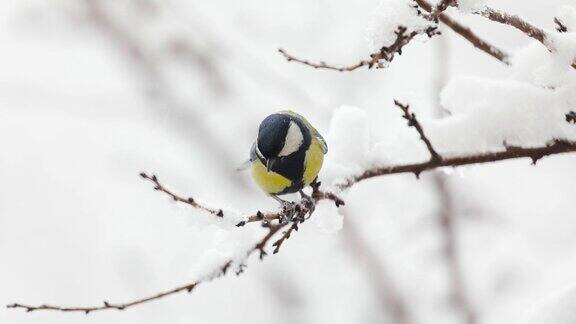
<point x="294" y="140"/>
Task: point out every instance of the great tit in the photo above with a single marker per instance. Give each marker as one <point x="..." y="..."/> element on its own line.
<point x="287" y="154"/>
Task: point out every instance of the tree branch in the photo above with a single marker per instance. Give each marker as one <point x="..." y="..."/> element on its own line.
<point x="509" y="152"/>
<point x="520" y="24"/>
<point x="189" y="201"/>
<point x="386" y="53"/>
<point x="514" y="21"/>
<point x="294" y="216"/>
<point x="413" y="122"/>
<point x="468" y="34"/>
<point x="122" y="306"/>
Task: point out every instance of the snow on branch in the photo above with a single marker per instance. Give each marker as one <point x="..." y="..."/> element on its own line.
<point x="292" y="216"/>
<point x="509" y="152"/>
<point x="288" y="219"/>
<point x="530" y="30"/>
<point x="379" y="59"/>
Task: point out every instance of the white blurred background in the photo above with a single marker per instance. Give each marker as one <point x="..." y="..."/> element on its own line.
<point x="93" y="92"/>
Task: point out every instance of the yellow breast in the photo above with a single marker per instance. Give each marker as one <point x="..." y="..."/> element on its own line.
<point x="273" y="183"/>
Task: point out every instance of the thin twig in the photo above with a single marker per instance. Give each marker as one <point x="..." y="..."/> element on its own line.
<point x="413" y="122"/>
<point x="386" y="53"/>
<point x="468" y="34"/>
<point x="189" y="201"/>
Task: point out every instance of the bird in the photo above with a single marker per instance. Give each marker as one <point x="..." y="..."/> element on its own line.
<point x="287" y="155"/>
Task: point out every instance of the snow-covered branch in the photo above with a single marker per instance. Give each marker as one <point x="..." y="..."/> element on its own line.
<point x="293" y="217"/>
<point x="509" y="152"/>
<point x="379" y="59"/>
<point x="527" y="28"/>
<point x="468" y="34"/>
<point x="289" y="219"/>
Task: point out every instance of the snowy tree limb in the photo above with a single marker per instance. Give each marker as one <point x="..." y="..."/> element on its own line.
<point x="386" y="53"/>
<point x="468" y="34"/>
<point x="122" y="306"/>
<point x="509" y="152"/>
<point x="295" y="217"/>
<point x="297" y="214"/>
<point x="520" y="24"/>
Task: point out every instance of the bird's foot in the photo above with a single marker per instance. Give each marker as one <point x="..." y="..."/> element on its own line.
<point x="308" y="203"/>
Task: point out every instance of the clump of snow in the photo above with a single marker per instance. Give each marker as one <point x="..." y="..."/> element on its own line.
<point x="388" y="16"/>
<point x="327" y="218"/>
<point x="469" y="6"/>
<point x="563" y="47"/>
<point x="488" y="113"/>
<point x="559" y="308"/>
<point x="567" y="16"/>
<point x="348" y="147"/>
<point x="538" y="66"/>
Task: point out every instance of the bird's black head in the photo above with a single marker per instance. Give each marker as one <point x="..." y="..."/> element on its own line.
<point x="272" y="135"/>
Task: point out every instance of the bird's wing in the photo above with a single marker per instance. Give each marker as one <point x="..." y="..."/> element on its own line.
<point x="313" y="130"/>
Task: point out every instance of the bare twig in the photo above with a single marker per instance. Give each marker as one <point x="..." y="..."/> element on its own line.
<point x="386" y="53"/>
<point x="509" y="152"/>
<point x="468" y="34"/>
<point x="190" y="201"/>
<point x="413" y="122"/>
